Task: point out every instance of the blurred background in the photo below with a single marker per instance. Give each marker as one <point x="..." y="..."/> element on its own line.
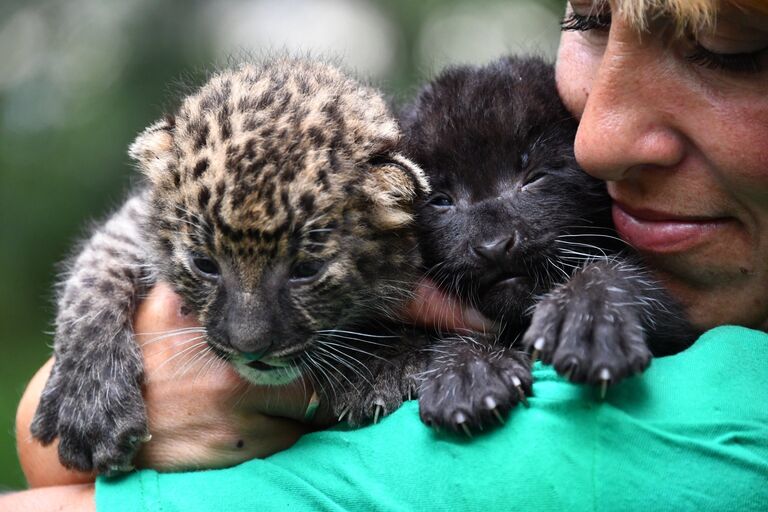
<point x="79" y="79"/>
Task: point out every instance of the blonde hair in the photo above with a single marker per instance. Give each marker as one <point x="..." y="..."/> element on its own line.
<point x="687" y="14"/>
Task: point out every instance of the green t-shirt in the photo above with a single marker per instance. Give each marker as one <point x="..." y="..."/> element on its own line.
<point x="689" y="434"/>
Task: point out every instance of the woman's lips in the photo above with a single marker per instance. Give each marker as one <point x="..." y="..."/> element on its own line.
<point x="659" y="232"/>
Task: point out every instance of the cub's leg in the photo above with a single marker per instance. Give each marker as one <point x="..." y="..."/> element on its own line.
<point x="92" y="401"/>
<point x="472" y="382"/>
<point x="602" y="324"/>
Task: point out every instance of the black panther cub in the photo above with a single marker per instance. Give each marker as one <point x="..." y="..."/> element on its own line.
<point x="518" y="230"/>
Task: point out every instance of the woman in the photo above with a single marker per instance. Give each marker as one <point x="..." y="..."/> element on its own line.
<point x="673" y="101"/>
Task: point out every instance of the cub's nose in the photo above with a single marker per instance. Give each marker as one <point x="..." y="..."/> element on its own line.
<point x="495" y="251"/>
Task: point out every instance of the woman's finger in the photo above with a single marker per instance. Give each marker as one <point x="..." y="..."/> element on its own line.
<point x="432" y="308"/>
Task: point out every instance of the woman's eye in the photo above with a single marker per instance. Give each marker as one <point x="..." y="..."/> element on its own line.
<point x="306" y="270"/>
<point x="205" y="266"/>
<point x="744" y="62"/>
<point x="441" y="201"/>
<point x="597" y="21"/>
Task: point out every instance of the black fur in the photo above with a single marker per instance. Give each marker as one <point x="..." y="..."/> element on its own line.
<point x="512" y="219"/>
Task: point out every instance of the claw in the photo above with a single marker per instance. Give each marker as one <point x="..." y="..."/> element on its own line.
<point x="520" y="391"/>
<point x="491" y="404"/>
<point x="605" y="379"/>
<point x="537" y="346"/>
<point x="460" y="419"/>
<point x="378" y="411"/>
<point x="117" y="469"/>
<point x="343" y="413"/>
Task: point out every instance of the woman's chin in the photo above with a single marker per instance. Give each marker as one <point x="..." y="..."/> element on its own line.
<point x="716" y="294"/>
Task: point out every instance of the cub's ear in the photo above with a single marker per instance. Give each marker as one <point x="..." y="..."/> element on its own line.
<point x="393" y="185"/>
<point x="153" y="150"/>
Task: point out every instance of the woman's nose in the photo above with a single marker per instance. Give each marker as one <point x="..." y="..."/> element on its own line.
<point x="629" y="119"/>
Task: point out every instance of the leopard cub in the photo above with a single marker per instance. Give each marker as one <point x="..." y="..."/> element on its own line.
<point x="277" y="206"/>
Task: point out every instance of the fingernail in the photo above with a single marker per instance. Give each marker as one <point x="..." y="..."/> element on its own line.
<point x="476" y="321"/>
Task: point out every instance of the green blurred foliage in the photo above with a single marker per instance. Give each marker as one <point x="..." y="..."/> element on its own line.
<point x="58" y="173"/>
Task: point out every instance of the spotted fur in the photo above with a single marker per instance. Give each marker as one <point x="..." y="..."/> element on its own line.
<point x="277" y="206"/>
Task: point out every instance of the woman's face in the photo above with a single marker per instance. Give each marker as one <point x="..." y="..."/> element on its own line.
<point x="679" y="128"/>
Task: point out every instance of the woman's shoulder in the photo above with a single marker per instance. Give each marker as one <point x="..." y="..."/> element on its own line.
<point x="658" y="440"/>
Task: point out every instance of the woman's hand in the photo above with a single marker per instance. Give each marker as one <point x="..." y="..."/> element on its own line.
<point x="201" y="413"/>
<point x="432" y="308"/>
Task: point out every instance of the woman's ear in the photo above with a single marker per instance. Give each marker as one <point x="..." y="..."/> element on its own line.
<point x="153" y="150"/>
<point x="393" y="185"/>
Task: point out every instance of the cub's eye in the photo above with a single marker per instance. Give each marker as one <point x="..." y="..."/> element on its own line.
<point x="533" y="178"/>
<point x="441" y="200"/>
<point x="205" y="266"/>
<point x="306" y="270"/>
<point x="524" y="158"/>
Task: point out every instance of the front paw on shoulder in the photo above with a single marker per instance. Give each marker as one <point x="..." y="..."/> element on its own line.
<point x="367" y="401"/>
<point x="593" y="335"/>
<point x="469" y="394"/>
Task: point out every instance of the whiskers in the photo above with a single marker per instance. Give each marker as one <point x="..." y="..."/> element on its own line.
<point x="337" y="354"/>
<point x="188" y="352"/>
<point x="576" y="250"/>
<point x="162" y="335"/>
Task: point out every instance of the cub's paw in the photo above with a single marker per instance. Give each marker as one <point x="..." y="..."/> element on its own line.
<point x="369" y="401"/>
<point x="379" y="390"/>
<point x="470" y="385"/>
<point x="591" y="328"/>
<point x="99" y="423"/>
<point x="107" y="447"/>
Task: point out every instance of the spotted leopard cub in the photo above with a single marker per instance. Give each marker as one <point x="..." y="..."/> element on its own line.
<point x="276" y="205"/>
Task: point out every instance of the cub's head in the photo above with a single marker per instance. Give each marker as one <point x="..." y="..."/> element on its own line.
<point x="497" y="146"/>
<point x="281" y="209"/>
